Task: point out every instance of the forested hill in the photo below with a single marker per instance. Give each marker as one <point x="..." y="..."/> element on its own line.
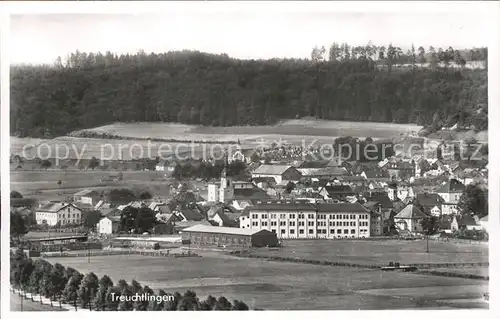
<point x="192" y="87"/>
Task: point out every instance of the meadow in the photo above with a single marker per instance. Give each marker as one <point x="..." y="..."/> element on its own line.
<point x="287" y="129"/>
<point x="43" y="184"/>
<point x="285" y="286"/>
<point x="380" y="252"/>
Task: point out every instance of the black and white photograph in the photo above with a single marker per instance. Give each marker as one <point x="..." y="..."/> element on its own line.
<point x="248" y="156"/>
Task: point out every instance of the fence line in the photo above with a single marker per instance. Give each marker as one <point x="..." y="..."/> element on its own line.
<point x="355" y="265"/>
<point x="121" y="252"/>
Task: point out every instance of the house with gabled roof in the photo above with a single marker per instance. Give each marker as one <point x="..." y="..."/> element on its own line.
<point x="372" y="174"/>
<point x="431" y="203"/>
<point x="336" y="191"/>
<point x="281" y="173"/>
<point x="450" y="191"/>
<point x="466" y="222"/>
<point x="54" y="213"/>
<point x="223" y="215"/>
<point x="87" y="196"/>
<point x="409" y="218"/>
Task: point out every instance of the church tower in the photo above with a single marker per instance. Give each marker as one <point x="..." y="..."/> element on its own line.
<point x="226" y="189"/>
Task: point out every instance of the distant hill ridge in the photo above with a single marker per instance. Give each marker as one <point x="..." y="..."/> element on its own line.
<point x="215" y="90"/>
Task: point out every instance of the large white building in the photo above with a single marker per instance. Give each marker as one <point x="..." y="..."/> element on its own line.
<point x="54" y="212"/>
<point x="301" y="219"/>
<point x="450" y="192"/>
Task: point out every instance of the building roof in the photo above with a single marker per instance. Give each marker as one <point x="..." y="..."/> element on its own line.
<point x="191" y="214"/>
<point x="467" y="220"/>
<point x="87" y="192"/>
<point x="283" y="205"/>
<point x="350" y="178"/>
<point x="83" y="206"/>
<point x="220" y="207"/>
<point x="314" y="164"/>
<point x="54" y="207"/>
<point x="267" y="179"/>
<point x="372" y="173"/>
<point x="224" y="230"/>
<point x="325" y="171"/>
<point x="341" y="208"/>
<point x="114" y="219"/>
<point x="429" y="199"/>
<point x="272" y="169"/>
<point x="190" y="223"/>
<point x="335" y="190"/>
<point x="250" y="194"/>
<point x="371" y="204"/>
<point x="451" y="186"/>
<point x="410" y="212"/>
<point x="399" y="166"/>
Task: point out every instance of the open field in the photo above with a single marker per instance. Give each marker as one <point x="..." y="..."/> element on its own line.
<point x="300" y="127"/>
<point x="42" y="184"/>
<point x="274" y="285"/>
<point x="479" y="271"/>
<point x="380" y="252"/>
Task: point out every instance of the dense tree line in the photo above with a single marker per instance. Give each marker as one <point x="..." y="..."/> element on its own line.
<point x="56" y="282"/>
<point x="206" y="170"/>
<point x="191" y="87"/>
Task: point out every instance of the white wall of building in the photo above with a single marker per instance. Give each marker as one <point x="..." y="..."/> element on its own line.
<point x="105" y="226"/>
<point x="309" y="224"/>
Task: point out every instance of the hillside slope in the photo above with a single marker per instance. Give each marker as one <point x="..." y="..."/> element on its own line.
<point x="198" y="88"/>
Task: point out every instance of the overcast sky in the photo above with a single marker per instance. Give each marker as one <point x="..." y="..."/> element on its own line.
<point x="239" y="33"/>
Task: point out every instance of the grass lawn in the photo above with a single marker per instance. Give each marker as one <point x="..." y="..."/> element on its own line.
<point x="275" y="285"/>
<point x="380" y="252"/>
<point x="32" y="183"/>
<point x="28" y="305"/>
<point x="479" y="271"/>
<point x="300" y="127"/>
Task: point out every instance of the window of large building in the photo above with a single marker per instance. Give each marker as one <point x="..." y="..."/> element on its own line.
<point x="273" y="216"/>
<point x="255" y="223"/>
<point x="292" y="216"/>
<point x="301" y="231"/>
<point x="311" y="231"/>
<point x="310" y="223"/>
<point x="353" y="231"/>
<point x="346" y="231"/>
<point x="332" y="231"/>
<point x="282" y="216"/>
<point x="310" y="215"/>
<point x="273" y="230"/>
<point x="264" y="224"/>
<point x="301" y="216"/>
<point x="264" y="216"/>
<point x="282" y="231"/>
<point x="292" y="223"/>
<point x="255" y="216"/>
<point x="274" y="223"/>
<point x="292" y="231"/>
<point x="301" y="223"/>
<point x="339" y="231"/>
<point x="282" y="223"/>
